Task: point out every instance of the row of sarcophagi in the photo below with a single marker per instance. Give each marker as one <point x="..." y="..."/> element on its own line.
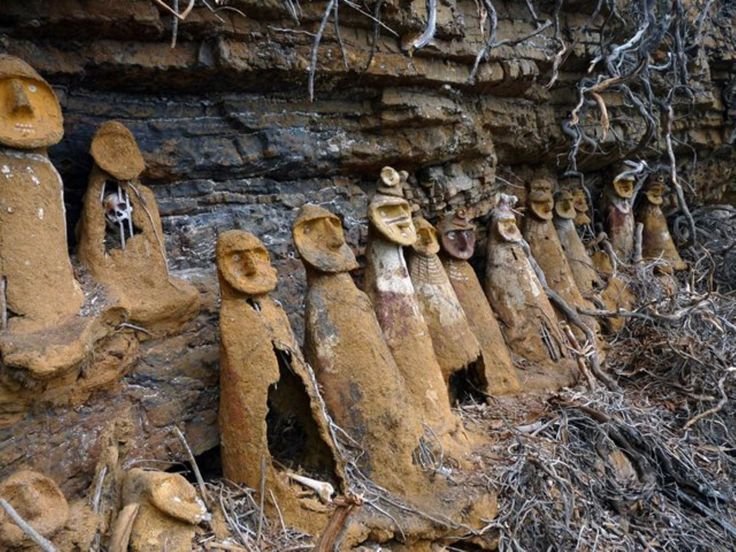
<point x="385" y="363"/>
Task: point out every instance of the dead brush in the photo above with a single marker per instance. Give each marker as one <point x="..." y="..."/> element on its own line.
<point x="649" y="467"/>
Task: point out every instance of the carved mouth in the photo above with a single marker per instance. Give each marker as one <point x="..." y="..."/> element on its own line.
<point x="401" y="221"/>
<point x="24" y="128"/>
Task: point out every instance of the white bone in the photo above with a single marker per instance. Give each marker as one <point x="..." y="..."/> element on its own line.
<point x="129" y="210"/>
<point x="324" y="490"/>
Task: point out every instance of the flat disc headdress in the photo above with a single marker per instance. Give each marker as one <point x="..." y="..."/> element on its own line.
<point x="115" y="150"/>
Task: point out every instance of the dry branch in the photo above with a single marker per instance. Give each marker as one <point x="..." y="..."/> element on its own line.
<point x="34" y="535"/>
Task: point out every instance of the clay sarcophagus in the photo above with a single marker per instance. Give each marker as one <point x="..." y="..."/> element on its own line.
<point x="457" y="237"/>
<point x="121" y="240"/>
<point x="527" y="319"/>
<point x="618" y="216"/>
<point x="42" y="331"/>
<point x="545" y="246"/>
<point x="363" y="389"/>
<point x="455" y="346"/>
<point x="581" y="265"/>
<point x="271" y="416"/>
<point x="656" y="238"/>
<point x="388" y="284"/>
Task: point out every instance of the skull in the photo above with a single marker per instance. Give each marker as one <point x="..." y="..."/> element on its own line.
<point x="118" y="211"/>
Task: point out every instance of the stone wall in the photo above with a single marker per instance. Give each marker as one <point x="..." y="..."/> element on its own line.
<point x="231" y="140"/>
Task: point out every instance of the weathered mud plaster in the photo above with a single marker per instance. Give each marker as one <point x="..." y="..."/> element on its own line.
<point x="167" y="513"/>
<point x="271" y="416"/>
<point x="388" y="284"/>
<point x="454" y="343"/>
<point x="362" y="386"/>
<point x="366" y="395"/>
<point x="656" y="238"/>
<point x="597" y="278"/>
<point x="566" y="216"/>
<point x="528" y="321"/>
<point x="42" y="332"/>
<point x="540" y="233"/>
<point x="39" y="502"/>
<point x="121" y="241"/>
<point x="457" y="237"/>
<point x="618" y="215"/>
<point x="580" y="202"/>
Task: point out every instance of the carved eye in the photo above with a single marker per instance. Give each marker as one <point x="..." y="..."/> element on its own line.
<point x="32" y="88"/>
<point x="451" y="237"/>
<point x="236" y="257"/>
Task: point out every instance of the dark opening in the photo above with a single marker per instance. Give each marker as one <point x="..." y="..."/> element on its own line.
<point x="293" y="436"/>
<point x="208" y="462"/>
<point x="467" y="385"/>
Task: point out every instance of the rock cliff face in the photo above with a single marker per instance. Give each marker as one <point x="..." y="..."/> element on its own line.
<point x="231" y="140"/>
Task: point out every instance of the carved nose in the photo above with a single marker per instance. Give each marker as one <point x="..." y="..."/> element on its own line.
<point x="19" y="101"/>
<point x="249" y="265"/>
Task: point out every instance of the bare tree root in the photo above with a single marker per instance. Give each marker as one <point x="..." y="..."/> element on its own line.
<point x="574" y="319"/>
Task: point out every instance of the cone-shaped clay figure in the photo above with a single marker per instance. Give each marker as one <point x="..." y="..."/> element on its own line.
<point x="455" y="345"/>
<point x="619" y="216"/>
<point x="527" y="318"/>
<point x="457" y="237"/>
<point x="39" y="502"/>
<point x="40" y="301"/>
<point x="656" y="239"/>
<point x="540" y="233"/>
<point x="388" y="284"/>
<point x="40" y="289"/>
<point x="582" y="209"/>
<point x="121" y="240"/>
<point x="166" y="510"/>
<point x="566" y="214"/>
<point x="271" y="415"/>
<point x="362" y="387"/>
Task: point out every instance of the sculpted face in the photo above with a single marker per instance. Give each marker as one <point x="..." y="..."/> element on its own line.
<point x="541" y="204"/>
<point x="319" y="238"/>
<point x="655" y="190"/>
<point x="459" y="243"/>
<point x="426" y="243"/>
<point x="624" y="187"/>
<point x="391" y="217"/>
<point x="244" y="263"/>
<point x="540" y="199"/>
<point x="580" y="201"/>
<point x="30" y="115"/>
<point x="564" y="205"/>
<point x="457" y="235"/>
<point x="505" y="227"/>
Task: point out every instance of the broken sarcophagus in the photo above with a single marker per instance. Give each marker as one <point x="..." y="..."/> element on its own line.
<point x="273" y="423"/>
<point x="121" y="240"/>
